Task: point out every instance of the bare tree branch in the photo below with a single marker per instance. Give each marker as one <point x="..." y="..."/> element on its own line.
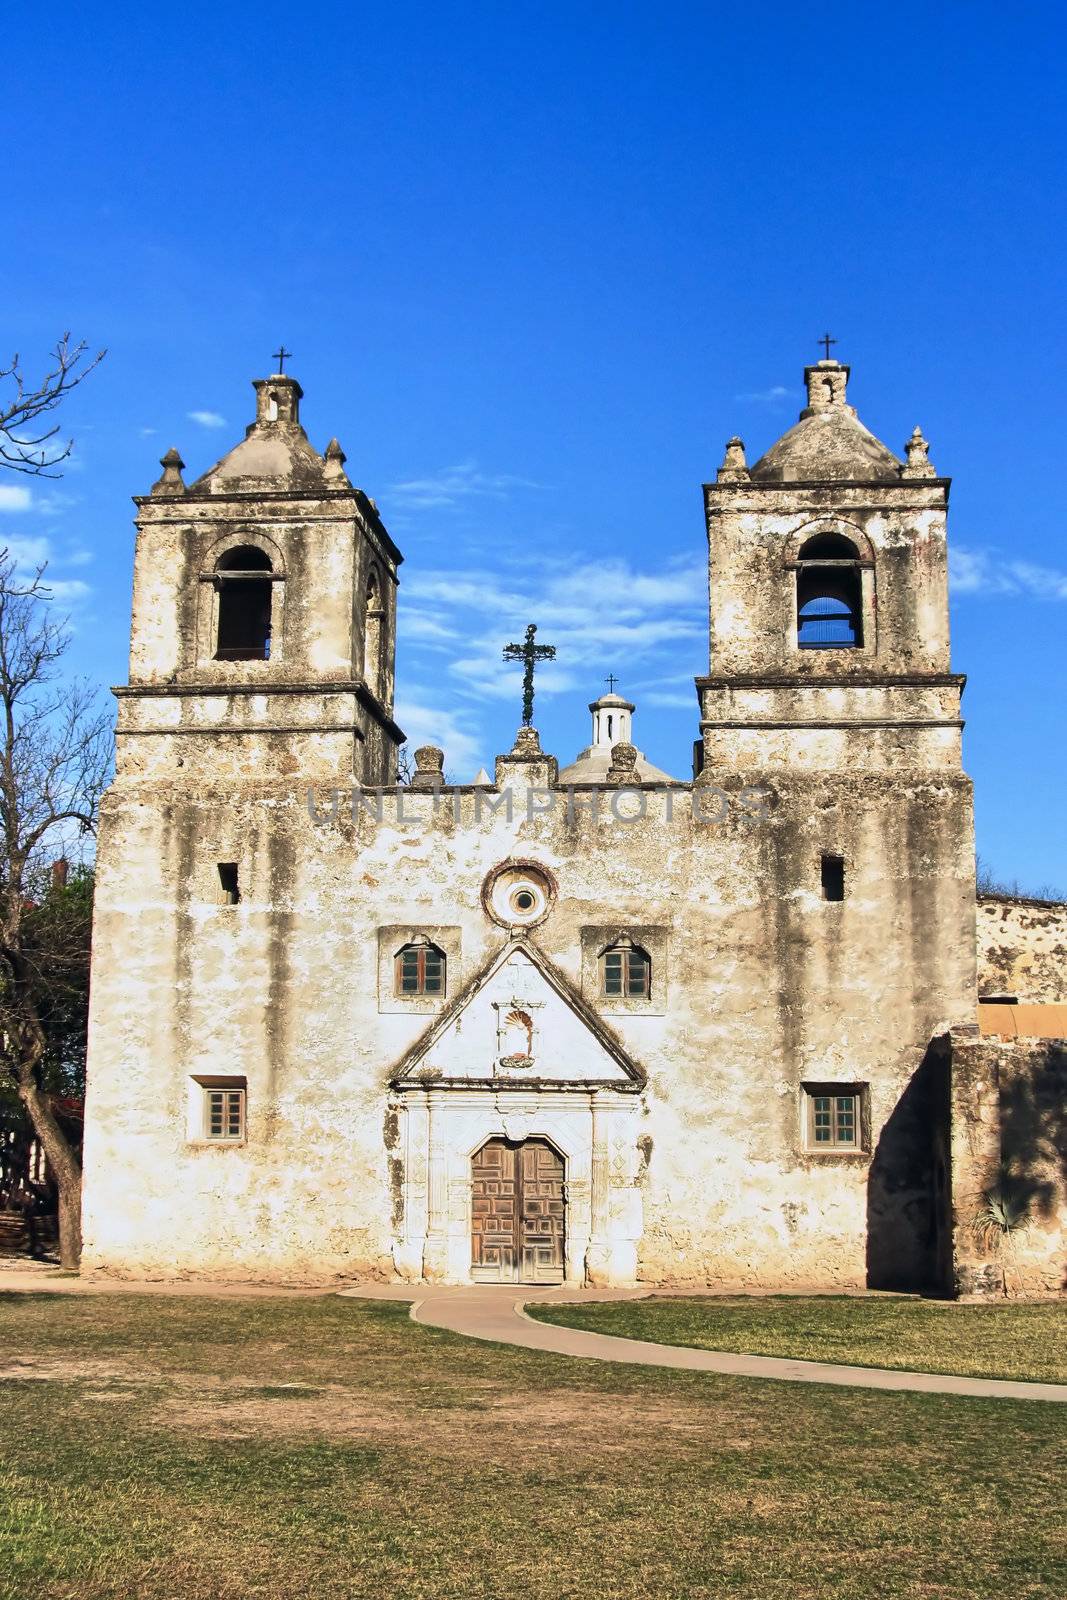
<point x="22" y="447"/>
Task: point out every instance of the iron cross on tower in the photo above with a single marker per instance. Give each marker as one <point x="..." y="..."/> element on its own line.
<point x="280" y="357"/>
<point x="530" y="654"/>
<point x="826" y="342"/>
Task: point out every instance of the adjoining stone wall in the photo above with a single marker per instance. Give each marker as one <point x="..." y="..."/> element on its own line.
<point x="1022" y="948"/>
<point x="1010" y="1140"/>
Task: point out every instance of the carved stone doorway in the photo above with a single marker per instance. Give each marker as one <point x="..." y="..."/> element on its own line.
<point x="518" y="1213"/>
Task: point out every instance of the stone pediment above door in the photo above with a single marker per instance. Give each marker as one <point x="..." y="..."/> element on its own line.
<point x="519" y="1022"/>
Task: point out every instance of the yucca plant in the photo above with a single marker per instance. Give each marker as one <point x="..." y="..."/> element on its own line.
<point x="1003" y="1214"/>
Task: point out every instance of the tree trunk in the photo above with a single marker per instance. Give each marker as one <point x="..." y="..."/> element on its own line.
<point x="64" y="1164"/>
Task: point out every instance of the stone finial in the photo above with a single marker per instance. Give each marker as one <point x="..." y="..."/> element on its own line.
<point x="429" y="767"/>
<point x="481" y="779"/>
<point x="827" y="382"/>
<point x="171" y="481"/>
<point x="527" y="743"/>
<point x="734" y="467"/>
<point x="623" y="767"/>
<point x="335" y="459"/>
<point x="918" y="464"/>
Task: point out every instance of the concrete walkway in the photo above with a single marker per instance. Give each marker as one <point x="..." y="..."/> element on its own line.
<point x="496" y="1312"/>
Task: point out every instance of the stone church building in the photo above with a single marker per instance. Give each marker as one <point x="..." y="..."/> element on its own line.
<point x="597" y="1025"/>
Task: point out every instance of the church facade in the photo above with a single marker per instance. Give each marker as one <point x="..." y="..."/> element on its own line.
<point x="597" y="1025"/>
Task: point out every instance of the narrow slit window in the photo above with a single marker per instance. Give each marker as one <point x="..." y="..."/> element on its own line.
<point x="229" y="884"/>
<point x="833" y="877"/>
<point x="373" y="635"/>
<point x="224" y="1115"/>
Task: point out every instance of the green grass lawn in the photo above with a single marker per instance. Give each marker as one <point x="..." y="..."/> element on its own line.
<point x="999" y="1340"/>
<point x="176" y="1448"/>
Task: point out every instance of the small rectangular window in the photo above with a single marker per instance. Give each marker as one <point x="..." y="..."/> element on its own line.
<point x="420" y="969"/>
<point x="833" y="1118"/>
<point x="224" y="1114"/>
<point x="625" y="971"/>
<point x="229" y="884"/>
<point x="833" y="877"/>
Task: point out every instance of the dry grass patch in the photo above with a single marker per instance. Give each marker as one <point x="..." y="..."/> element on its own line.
<point x="332" y="1448"/>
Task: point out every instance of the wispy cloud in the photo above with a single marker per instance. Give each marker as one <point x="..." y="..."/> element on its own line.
<point x="146" y="433"/>
<point x="598" y="615"/>
<point x="452" y="486"/>
<point x="15" y="497"/>
<point x="28" y="552"/>
<point x="454" y="732"/>
<point x="774" y="396"/>
<point x="68" y="591"/>
<point x="989" y="572"/>
<point x="206" y="419"/>
<point x="54" y="503"/>
<point x="669" y="699"/>
<point x="32" y="552"/>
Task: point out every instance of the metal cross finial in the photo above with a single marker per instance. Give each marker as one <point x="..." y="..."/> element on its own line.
<point x="529" y="653"/>
<point x="611" y="680"/>
<point x="826" y="342"/>
<point x="280" y="356"/>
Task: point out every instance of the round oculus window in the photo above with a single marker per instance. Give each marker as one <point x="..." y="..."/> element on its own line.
<point x="518" y="894"/>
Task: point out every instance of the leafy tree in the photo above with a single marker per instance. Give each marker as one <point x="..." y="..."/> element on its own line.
<point x="55" y="751"/>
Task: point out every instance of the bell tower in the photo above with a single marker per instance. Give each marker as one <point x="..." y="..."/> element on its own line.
<point x="829" y="600"/>
<point x="264" y="616"/>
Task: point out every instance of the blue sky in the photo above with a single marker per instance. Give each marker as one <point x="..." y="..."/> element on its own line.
<point x="536" y="265"/>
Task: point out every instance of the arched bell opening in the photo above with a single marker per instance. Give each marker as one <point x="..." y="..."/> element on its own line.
<point x="245" y="580"/>
<point x="829" y="611"/>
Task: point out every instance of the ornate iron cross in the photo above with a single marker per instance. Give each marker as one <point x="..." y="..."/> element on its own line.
<point x="611" y="680"/>
<point x="279" y="357"/>
<point x="826" y="342"/>
<point x="529" y="653"/>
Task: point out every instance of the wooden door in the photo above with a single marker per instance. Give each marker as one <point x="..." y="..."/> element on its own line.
<point x="518" y="1215"/>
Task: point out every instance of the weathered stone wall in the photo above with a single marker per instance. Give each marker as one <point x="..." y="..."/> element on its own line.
<point x="1022" y="948"/>
<point x="769" y="986"/>
<point x="755" y="533"/>
<point x="1009" y="1113"/>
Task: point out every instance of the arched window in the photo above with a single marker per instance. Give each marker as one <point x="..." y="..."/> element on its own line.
<point x="244" y="581"/>
<point x="625" y="970"/>
<point x="829" y="594"/>
<point x="374" y="618"/>
<point x="420" y="969"/>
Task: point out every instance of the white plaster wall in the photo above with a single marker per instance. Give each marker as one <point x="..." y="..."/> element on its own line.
<point x="769" y="986"/>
